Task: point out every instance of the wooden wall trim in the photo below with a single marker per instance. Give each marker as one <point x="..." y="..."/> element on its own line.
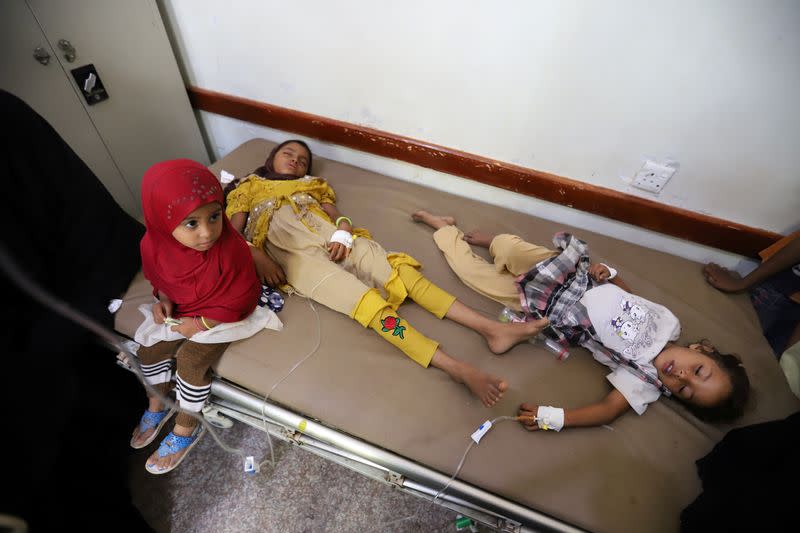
<point x="640" y="212"/>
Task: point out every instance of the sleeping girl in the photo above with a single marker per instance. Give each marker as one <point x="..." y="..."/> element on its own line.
<point x="292" y="216"/>
<point x="588" y="305"/>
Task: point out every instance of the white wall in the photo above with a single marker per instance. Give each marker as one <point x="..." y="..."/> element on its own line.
<point x="585" y="90"/>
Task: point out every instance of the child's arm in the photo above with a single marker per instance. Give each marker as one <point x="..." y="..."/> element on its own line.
<point x="338" y="251"/>
<point x="621" y="284"/>
<point x="601" y="273"/>
<point x="597" y="414"/>
<point x="728" y="281"/>
<point x="239" y="220"/>
<point x="191" y="325"/>
<point x="267" y="270"/>
<point x="333" y="212"/>
<point x="163" y="308"/>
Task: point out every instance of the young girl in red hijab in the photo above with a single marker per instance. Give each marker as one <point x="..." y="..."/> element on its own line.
<point x="202" y="273"/>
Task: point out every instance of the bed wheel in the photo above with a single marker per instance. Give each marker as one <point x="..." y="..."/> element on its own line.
<point x="216" y="419"/>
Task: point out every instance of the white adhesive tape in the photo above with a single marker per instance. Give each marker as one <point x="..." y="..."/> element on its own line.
<point x="343" y="237"/>
<point x="548" y="417"/>
<point x="612" y="272"/>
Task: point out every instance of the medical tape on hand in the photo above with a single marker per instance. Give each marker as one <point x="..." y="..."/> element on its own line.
<point x="342" y="237"/>
<point x="548" y="417"/>
<point x="612" y="272"/>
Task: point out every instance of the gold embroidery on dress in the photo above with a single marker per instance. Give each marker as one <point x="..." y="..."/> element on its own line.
<point x="303" y="202"/>
<point x="271" y="195"/>
<point x="264" y="208"/>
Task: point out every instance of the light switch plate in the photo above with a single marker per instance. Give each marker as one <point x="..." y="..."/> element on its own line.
<point x="653" y="177"/>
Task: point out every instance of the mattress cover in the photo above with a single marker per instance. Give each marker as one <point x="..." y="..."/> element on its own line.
<point x="635" y="475"/>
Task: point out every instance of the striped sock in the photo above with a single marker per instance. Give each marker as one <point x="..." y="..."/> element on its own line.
<point x="158" y="373"/>
<point x="191" y="397"/>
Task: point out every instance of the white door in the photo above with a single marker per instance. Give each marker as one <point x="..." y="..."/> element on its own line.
<point x="148" y="117"/>
<point x="46" y="88"/>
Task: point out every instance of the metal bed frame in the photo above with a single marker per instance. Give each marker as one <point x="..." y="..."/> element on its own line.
<point x="228" y="401"/>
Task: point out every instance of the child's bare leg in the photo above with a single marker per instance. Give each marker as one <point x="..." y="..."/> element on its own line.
<point x="398" y="332"/>
<point x="476" y="236"/>
<point x="434" y="221"/>
<point x="479" y="237"/>
<point x="489" y="389"/>
<point x="500" y="336"/>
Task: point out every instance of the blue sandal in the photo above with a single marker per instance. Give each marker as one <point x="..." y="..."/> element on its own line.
<point x="151" y="420"/>
<point x="173" y="443"/>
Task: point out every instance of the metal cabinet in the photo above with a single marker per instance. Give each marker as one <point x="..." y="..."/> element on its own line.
<point x="48" y="51"/>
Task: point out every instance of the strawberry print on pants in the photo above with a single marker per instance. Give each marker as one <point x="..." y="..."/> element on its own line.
<point x="392" y="323"/>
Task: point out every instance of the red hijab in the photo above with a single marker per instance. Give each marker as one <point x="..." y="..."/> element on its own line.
<point x="219" y="283"/>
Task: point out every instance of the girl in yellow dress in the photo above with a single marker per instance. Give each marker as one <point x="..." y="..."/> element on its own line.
<point x="283" y="210"/>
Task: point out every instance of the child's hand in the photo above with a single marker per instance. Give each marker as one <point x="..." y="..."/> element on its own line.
<point x="599" y="272"/>
<point x="527" y="416"/>
<point x="161" y="310"/>
<point x="723" y="279"/>
<point x="337" y="251"/>
<point x="187" y="328"/>
<point x="268" y="271"/>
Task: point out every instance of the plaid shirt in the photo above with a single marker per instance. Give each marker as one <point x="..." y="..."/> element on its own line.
<point x="554" y="287"/>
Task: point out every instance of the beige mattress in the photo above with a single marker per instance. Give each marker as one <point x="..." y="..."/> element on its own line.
<point x="636" y="475"/>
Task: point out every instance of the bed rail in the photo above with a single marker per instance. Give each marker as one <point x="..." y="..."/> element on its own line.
<point x="496" y="512"/>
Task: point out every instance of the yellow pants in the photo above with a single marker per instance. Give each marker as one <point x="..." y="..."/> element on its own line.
<point x="351" y="287"/>
<point x="375" y="312"/>
<point x="511" y="256"/>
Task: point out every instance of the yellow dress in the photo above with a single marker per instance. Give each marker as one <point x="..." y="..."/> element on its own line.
<point x="285" y="218"/>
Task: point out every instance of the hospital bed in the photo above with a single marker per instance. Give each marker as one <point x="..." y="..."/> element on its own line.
<point x="360" y="402"/>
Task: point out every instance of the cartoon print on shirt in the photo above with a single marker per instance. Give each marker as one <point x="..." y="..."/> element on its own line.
<point x="635" y="326"/>
<point x="625" y="329"/>
<point x="637" y="312"/>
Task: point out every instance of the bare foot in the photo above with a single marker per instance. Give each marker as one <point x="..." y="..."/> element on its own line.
<point x="489" y="389"/>
<point x="434" y="221"/>
<point x="479" y="238"/>
<point x="502" y="337"/>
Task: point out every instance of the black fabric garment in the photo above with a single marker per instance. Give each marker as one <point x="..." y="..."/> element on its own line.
<point x="749" y="480"/>
<point x="69" y="408"/>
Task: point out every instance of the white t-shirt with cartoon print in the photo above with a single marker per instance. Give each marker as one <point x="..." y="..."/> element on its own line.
<point x="634" y="327"/>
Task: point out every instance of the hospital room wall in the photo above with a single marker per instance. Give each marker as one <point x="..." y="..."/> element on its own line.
<point x="585" y="90"/>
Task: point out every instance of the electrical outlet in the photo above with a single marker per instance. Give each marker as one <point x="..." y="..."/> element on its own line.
<point x="653" y="177"/>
